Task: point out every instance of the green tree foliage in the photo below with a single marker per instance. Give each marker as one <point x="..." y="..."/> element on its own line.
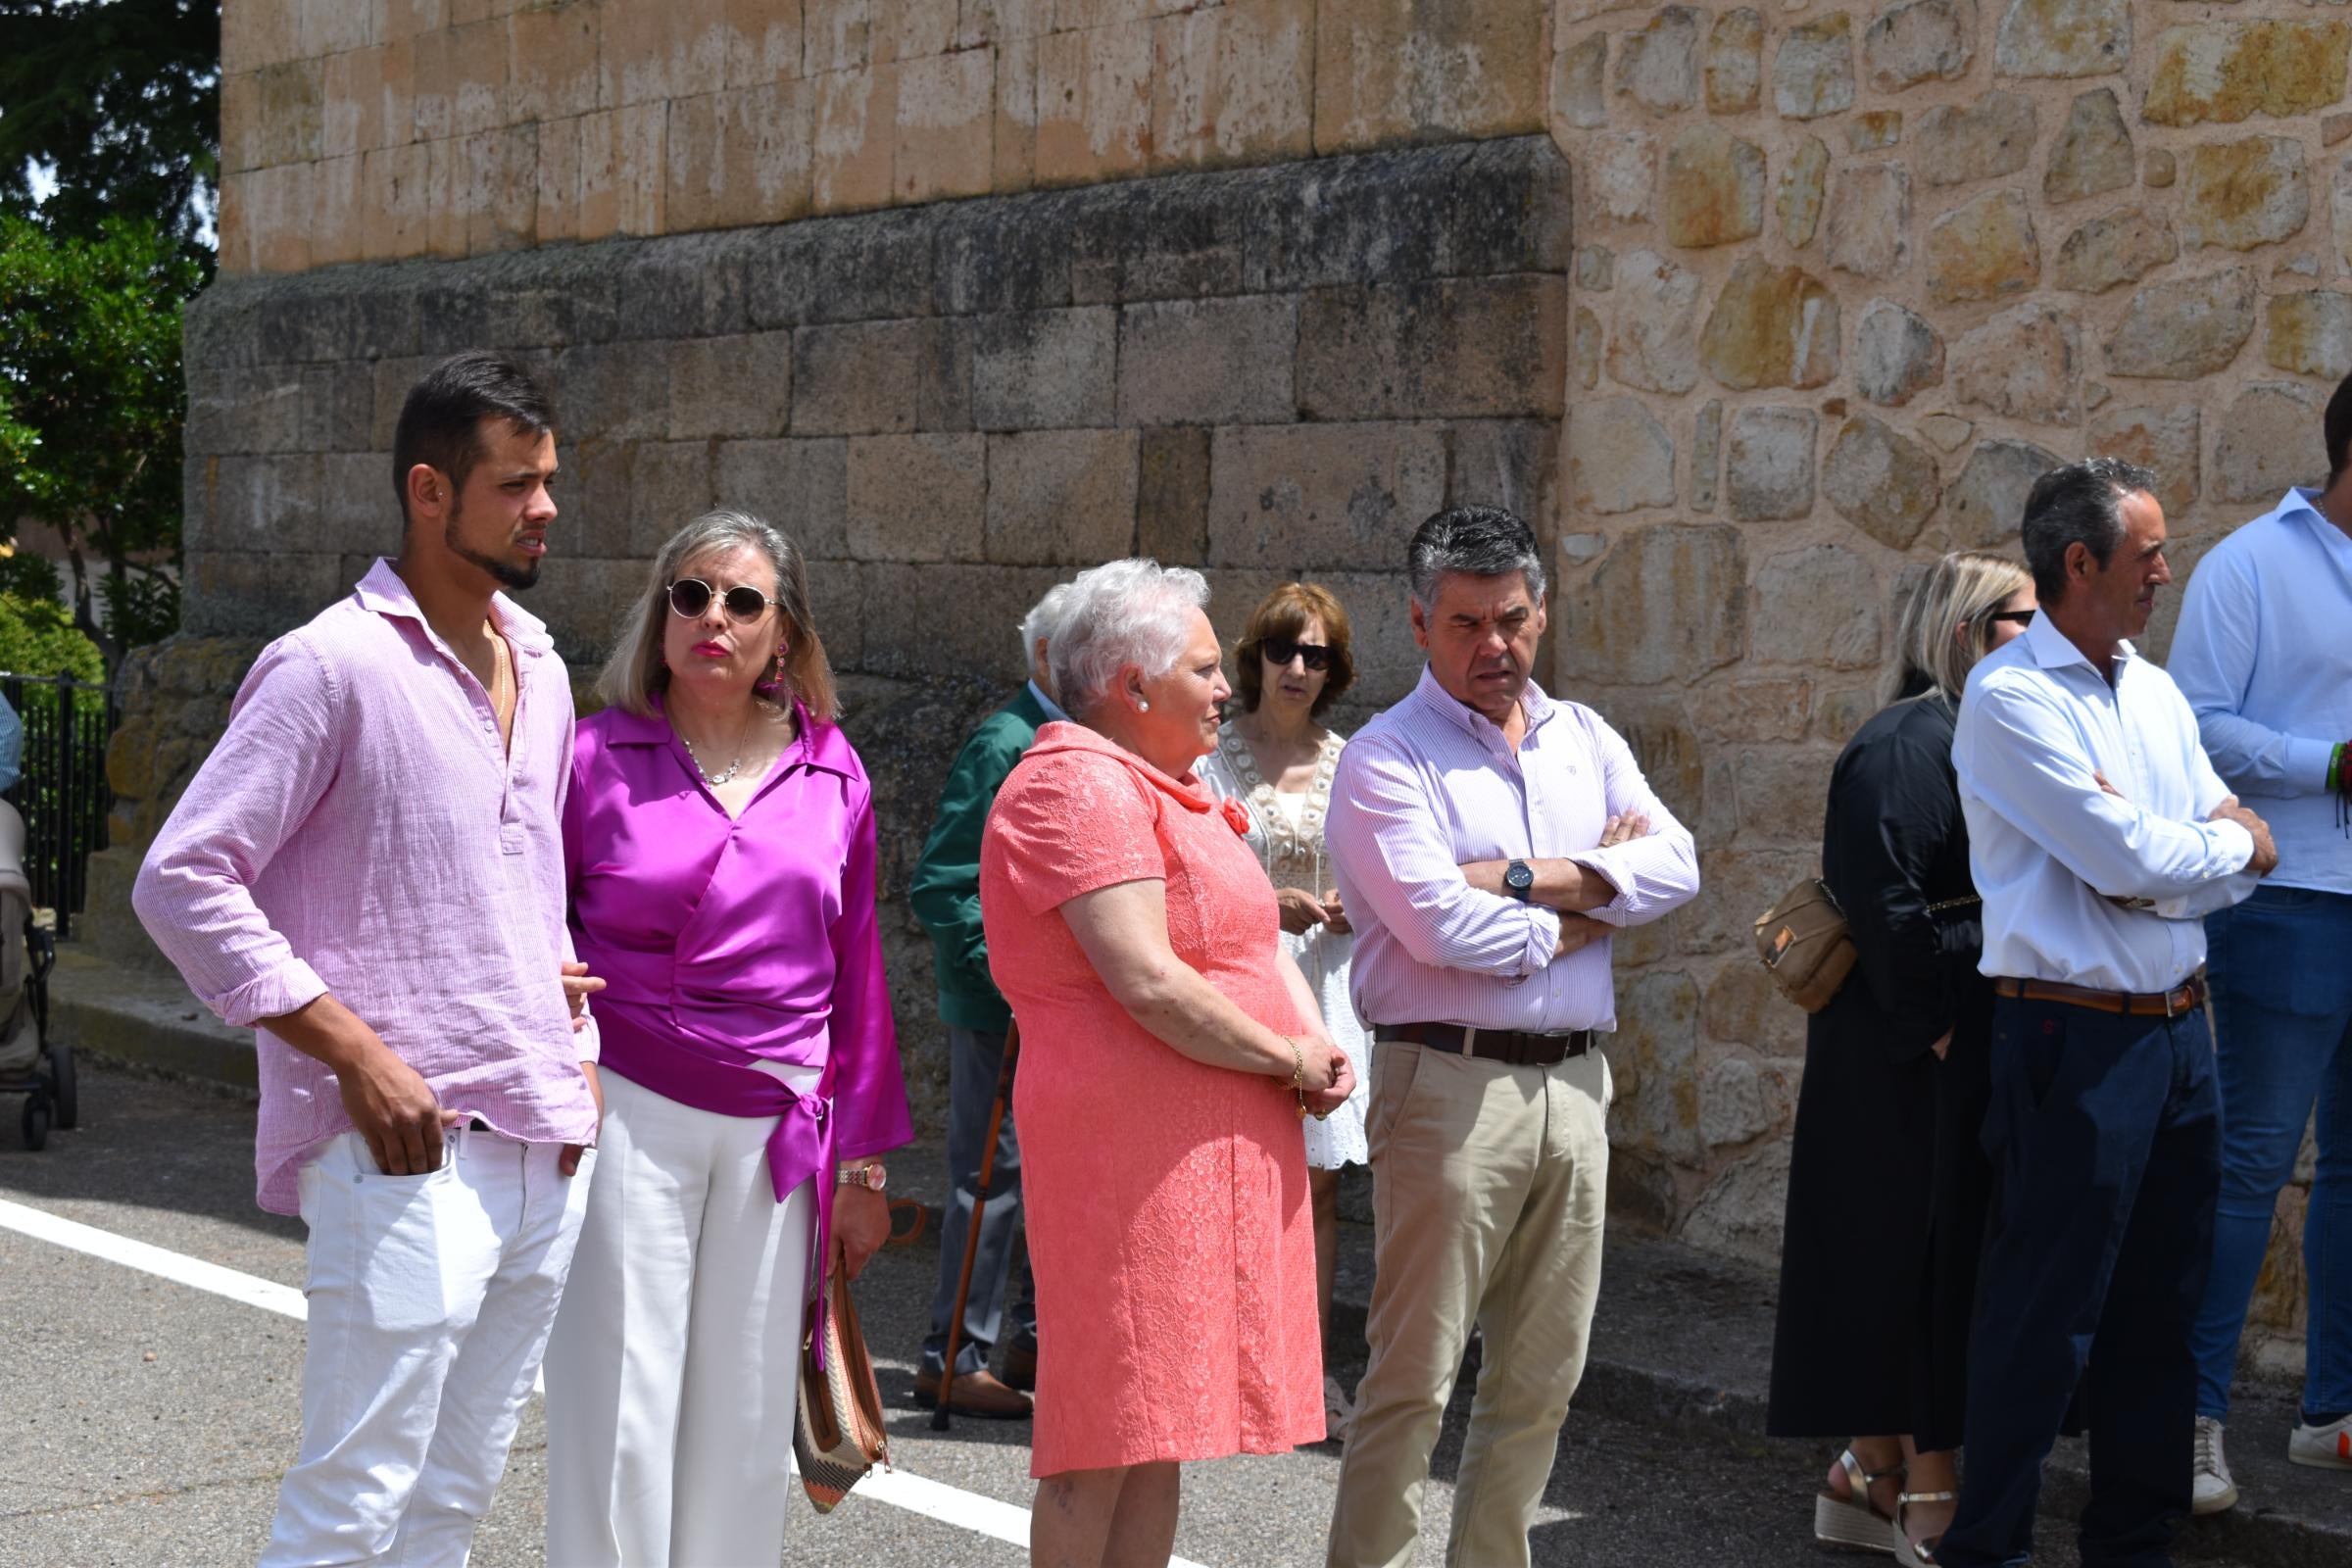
<point x="39" y="638"/>
<point x="117" y="102"/>
<point x="90" y="377"/>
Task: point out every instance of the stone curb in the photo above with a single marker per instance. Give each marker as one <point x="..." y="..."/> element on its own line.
<point x="145" y="1020"/>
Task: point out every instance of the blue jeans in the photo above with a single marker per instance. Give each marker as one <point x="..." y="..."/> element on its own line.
<point x="2281" y="967"/>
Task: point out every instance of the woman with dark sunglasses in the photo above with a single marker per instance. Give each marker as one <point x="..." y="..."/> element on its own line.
<point x="718" y="838"/>
<point x="1276" y="760"/>
<point x="1887" y="1185"/>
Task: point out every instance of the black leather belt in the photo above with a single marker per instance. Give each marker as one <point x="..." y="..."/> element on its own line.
<point x="1510" y="1047"/>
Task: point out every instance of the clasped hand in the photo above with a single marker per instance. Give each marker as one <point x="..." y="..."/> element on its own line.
<point x="1302" y="911"/>
<point x="1326" y="1076"/>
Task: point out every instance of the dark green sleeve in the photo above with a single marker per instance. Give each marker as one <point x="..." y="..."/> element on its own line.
<point x="945" y="892"/>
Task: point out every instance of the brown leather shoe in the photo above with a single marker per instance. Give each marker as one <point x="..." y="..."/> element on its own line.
<point x="975" y="1394"/>
<point x="1020" y="1367"/>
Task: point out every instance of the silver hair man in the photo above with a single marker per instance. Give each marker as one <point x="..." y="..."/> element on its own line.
<point x="1038" y="628"/>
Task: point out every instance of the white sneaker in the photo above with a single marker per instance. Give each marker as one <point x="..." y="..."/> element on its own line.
<point x="2212" y="1490"/>
<point x="2327" y="1448"/>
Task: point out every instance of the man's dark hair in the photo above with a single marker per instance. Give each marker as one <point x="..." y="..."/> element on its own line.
<point x="441" y="422"/>
<point x="2080" y="503"/>
<point x="2337" y="427"/>
<point x="1481" y="541"/>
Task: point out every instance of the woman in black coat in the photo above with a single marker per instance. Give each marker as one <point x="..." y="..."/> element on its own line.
<point x="1887" y="1185"/>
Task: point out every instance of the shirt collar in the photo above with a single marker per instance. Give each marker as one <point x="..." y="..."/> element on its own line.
<point x="2052" y="649"/>
<point x="2305" y="504"/>
<point x="383" y="591"/>
<point x="1053" y="713"/>
<point x="814" y="744"/>
<point x="1532" y="701"/>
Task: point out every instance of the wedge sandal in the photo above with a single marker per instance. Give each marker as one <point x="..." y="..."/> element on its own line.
<point x="1851" y="1521"/>
<point x="1919" y="1555"/>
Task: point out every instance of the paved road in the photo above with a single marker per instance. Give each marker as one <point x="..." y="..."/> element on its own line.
<point x="148" y="1420"/>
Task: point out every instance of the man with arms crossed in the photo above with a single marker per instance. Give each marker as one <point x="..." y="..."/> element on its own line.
<point x="1486" y="840"/>
<point x="369" y="869"/>
<point x="2264" y="658"/>
<point x="2098" y="834"/>
<point x="945" y="894"/>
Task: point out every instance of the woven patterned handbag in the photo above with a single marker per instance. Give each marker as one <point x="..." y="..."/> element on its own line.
<point x="839" y="1436"/>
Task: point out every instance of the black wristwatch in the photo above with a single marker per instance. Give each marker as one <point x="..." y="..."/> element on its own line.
<point x="1519" y="880"/>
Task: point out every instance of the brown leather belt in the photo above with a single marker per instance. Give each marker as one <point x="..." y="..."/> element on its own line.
<point x="2185" y="998"/>
<point x="1507" y="1046"/>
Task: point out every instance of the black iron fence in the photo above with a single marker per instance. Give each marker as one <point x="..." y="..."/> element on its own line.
<point x="60" y="788"/>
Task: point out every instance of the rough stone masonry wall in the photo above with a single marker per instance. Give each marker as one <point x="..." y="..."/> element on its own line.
<point x="1267" y="372"/>
<point x="1850" y="278"/>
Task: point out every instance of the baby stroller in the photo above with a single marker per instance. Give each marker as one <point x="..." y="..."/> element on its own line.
<point x="31" y="1063"/>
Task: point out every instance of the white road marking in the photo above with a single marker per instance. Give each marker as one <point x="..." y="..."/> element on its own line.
<point x="898" y="1488"/>
<point x="267" y="1294"/>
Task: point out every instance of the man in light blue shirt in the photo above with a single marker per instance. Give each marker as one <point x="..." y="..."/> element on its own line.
<point x="2264" y="654"/>
<point x="2098" y="833"/>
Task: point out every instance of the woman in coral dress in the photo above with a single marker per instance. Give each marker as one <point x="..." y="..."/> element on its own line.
<point x="1168" y="1049"/>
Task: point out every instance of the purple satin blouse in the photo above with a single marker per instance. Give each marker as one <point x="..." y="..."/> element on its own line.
<point x="735" y="942"/>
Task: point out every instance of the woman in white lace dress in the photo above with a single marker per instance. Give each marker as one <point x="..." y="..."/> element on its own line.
<point x="1273" y="757"/>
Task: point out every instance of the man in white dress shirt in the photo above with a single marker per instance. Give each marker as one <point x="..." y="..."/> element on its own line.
<point x="2264" y="658"/>
<point x="2098" y="834"/>
<point x="1487" y="840"/>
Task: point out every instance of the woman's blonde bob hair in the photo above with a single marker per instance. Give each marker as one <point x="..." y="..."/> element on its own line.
<point x="636" y="671"/>
<point x="1946" y="624"/>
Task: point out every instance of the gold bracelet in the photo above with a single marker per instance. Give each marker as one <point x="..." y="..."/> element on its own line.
<point x="1299" y="1075"/>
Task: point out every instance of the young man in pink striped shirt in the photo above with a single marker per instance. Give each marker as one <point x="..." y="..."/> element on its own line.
<point x="369" y="869"/>
<point x="1487" y="840"/>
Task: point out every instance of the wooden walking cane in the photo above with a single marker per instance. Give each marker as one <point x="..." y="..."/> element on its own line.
<point x="971" y="1235"/>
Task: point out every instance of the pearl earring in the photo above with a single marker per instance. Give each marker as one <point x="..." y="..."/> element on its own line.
<point x="1142" y="706"/>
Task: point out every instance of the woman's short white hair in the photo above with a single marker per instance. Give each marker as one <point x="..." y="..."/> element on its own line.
<point x="1133" y="612"/>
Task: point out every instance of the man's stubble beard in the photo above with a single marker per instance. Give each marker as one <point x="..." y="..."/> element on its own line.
<point x="507" y="574"/>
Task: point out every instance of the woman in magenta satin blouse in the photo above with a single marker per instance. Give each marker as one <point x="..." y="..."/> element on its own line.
<point x="719" y="845"/>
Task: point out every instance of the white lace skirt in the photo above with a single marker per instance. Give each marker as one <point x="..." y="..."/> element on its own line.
<point x="1322" y="956"/>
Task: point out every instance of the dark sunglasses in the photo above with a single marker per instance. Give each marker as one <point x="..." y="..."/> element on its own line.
<point x="691" y="596"/>
<point x="2024" y="617"/>
<point x="1282" y="650"/>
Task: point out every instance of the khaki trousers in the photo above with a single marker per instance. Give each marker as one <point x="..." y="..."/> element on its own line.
<point x="1488" y="1188"/>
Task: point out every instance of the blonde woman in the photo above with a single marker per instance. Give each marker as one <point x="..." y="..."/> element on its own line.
<point x="1887" y="1184"/>
<point x="1276" y="758"/>
<point x="719" y="841"/>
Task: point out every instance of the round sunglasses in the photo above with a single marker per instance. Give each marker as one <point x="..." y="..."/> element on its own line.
<point x="691" y="596"/>
<point x="1282" y="650"/>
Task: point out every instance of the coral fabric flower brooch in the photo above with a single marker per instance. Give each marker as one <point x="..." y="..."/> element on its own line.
<point x="1237" y="816"/>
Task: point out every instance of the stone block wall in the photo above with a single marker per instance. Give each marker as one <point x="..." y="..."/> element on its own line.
<point x="1849" y="278"/>
<point x="378" y="129"/>
<point x="1845" y="278"/>
<point x="1270" y="374"/>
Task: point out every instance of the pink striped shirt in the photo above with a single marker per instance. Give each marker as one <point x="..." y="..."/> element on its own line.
<point x="1431" y="785"/>
<point x="360" y="829"/>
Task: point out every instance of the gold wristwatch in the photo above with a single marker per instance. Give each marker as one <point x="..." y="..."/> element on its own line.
<point x="872" y="1176"/>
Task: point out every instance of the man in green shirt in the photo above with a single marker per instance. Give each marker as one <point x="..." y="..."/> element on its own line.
<point x="945" y="896"/>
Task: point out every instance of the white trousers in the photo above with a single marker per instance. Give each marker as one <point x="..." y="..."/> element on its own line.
<point x="671" y="1376"/>
<point x="430" y="1300"/>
